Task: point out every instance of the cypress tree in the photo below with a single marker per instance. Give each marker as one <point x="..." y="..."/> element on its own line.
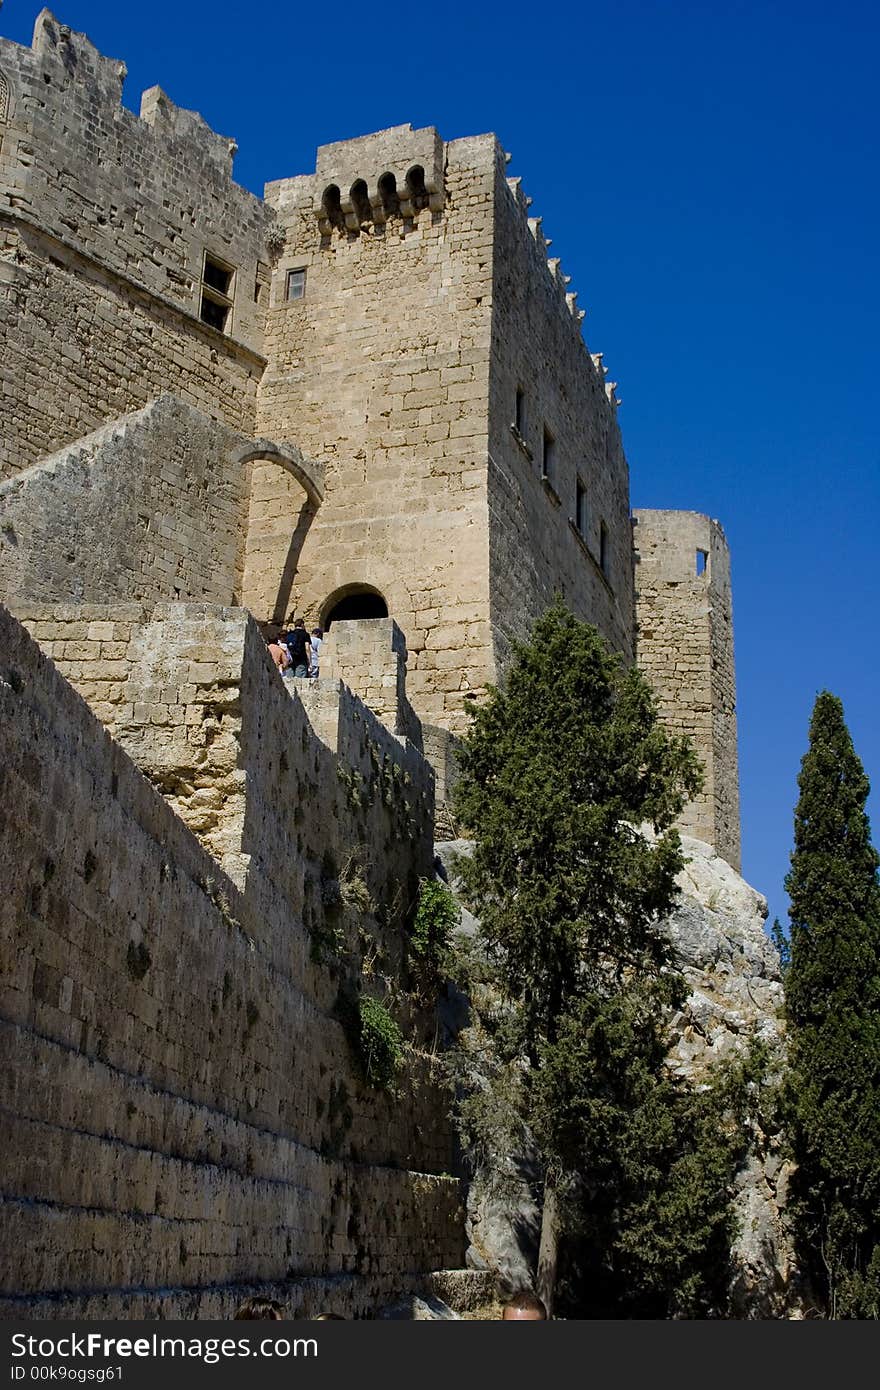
<point x="563" y="764"/>
<point x="833" y="1009"/>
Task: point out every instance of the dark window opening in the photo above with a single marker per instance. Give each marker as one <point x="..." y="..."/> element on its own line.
<point x="214" y="314"/>
<point x="519" y="411"/>
<point x="217" y="293"/>
<point x="548" y="456"/>
<point x="332" y="205"/>
<point x="352" y="607"/>
<point x="415" y="184"/>
<point x="361" y="201"/>
<point x="580" y="507"/>
<point x="702" y="562"/>
<point x="296" y="284"/>
<point x="388" y="194"/>
<point x="604" y="557"/>
<point x="218" y="276"/>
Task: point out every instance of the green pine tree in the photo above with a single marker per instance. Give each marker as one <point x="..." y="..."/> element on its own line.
<point x="562" y="767"/>
<point x="833" y="1008"/>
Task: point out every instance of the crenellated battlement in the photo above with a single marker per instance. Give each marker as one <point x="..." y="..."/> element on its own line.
<point x="63" y="60"/>
<point x="149" y="198"/>
<point x="174" y="123"/>
<point x="559" y="280"/>
<point x="369" y="181"/>
<point x="361" y="185"/>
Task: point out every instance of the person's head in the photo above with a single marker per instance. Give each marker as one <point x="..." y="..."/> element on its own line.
<point x="260" y="1308"/>
<point x="317" y="632"/>
<point x="524" y="1306"/>
<point x="300" y="622"/>
<point x="329" y="1317"/>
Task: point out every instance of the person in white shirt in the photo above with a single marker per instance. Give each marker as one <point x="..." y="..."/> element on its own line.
<point x="317" y="639"/>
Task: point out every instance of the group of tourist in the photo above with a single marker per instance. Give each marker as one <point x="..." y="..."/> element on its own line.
<point x="296" y="651"/>
<point x="523" y="1306"/>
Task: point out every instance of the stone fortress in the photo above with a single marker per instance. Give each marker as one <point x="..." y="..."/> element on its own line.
<point x="365" y="398"/>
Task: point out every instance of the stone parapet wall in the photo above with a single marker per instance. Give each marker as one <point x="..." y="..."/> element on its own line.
<point x="685" y="648"/>
<point x="150" y="507"/>
<point x="107" y="218"/>
<point x="182" y="1106"/>
<point x="190" y="693"/>
<point x="370" y="657"/>
<point x="441" y="750"/>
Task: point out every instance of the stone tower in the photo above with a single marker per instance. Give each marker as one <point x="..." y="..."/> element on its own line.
<point x="685" y="648"/>
<point x="420" y="342"/>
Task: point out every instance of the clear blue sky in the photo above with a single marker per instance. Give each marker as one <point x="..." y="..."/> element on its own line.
<point x="708" y="174"/>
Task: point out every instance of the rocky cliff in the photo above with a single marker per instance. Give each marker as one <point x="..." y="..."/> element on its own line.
<point x="735" y="996"/>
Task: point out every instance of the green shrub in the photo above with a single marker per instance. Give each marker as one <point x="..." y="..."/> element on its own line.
<point x="437" y="916"/>
<point x="380" y="1043"/>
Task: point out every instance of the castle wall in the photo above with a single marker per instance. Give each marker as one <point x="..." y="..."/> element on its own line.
<point x="685" y="648"/>
<point x="151" y="506"/>
<point x="381" y="370"/>
<point x="105" y="219"/>
<point x="182" y="1113"/>
<point x="535" y="546"/>
<point x="191" y="694"/>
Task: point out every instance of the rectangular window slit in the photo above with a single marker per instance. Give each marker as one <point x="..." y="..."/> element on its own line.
<point x="580" y="508"/>
<point x="548" y="456"/>
<point x="702" y="562"/>
<point x="604" y="557"/>
<point x="519" y="410"/>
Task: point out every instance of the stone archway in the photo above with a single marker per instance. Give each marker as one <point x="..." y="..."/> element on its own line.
<point x="284" y="493"/>
<point x="353" y="602"/>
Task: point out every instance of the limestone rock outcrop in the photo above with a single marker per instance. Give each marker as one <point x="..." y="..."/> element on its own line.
<point x="730" y="964"/>
<point x="735" y="996"/>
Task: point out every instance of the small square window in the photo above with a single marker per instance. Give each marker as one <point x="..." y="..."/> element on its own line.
<point x="580" y="508"/>
<point x="296" y="284"/>
<point x="548" y="456"/>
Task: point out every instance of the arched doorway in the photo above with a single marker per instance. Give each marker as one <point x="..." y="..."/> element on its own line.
<point x="354" y="602"/>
